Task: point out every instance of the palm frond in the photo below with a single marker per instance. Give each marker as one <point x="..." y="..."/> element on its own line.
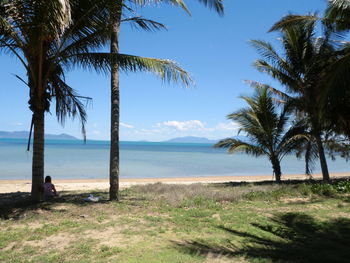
<point x="266" y="50"/>
<point x="21" y="79"/>
<point x="281" y="97"/>
<point x="139" y="22"/>
<point x="293" y="139"/>
<point x="234" y="145"/>
<point x="338" y="12"/>
<point x="294" y="20"/>
<point x="179" y="3"/>
<point x="68" y="103"/>
<point x="217" y="5"/>
<point x="167" y="70"/>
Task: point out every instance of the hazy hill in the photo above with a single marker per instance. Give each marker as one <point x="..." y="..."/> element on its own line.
<point x="25" y="134"/>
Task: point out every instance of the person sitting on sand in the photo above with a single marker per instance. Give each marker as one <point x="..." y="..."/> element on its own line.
<point x="49" y="188"/>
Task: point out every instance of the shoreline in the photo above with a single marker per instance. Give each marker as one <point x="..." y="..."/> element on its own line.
<point x="9" y="186"/>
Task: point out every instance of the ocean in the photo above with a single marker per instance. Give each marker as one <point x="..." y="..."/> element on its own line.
<point x="90" y="160"/>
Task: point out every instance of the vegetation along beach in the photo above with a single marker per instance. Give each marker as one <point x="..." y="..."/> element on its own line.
<point x="174" y="131"/>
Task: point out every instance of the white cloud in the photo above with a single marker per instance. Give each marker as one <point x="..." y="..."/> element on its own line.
<point x="228" y="126"/>
<point x="183" y="125"/>
<point x="18" y="123"/>
<point x="125" y="125"/>
<point x="173" y="128"/>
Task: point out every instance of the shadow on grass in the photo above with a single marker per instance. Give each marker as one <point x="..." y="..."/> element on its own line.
<point x="15" y="205"/>
<point x="290" y="237"/>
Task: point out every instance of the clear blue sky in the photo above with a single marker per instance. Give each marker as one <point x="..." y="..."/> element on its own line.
<point x="214" y="49"/>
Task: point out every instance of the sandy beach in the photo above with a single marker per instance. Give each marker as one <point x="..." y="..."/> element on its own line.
<point x="8" y="186"/>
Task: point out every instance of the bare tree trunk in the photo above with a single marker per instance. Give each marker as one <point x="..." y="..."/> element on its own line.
<point x="38" y="156"/>
<point x="276" y="166"/>
<point x="114" y="148"/>
<point x="323" y="161"/>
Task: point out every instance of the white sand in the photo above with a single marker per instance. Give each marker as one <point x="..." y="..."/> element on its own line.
<point x="8" y="186"/>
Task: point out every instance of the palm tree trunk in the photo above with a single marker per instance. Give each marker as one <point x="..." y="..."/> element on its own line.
<point x="38" y="156"/>
<point x="114" y="148"/>
<point x="276" y="166"/>
<point x="323" y="161"/>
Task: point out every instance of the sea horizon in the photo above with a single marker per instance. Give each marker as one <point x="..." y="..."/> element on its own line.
<point x="76" y="159"/>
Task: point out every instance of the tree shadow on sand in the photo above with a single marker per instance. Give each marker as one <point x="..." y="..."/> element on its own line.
<point x="14" y="206"/>
<point x="292" y="237"/>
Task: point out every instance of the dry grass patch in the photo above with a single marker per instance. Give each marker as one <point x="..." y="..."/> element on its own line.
<point x="296" y="200"/>
<point x="176" y="194"/>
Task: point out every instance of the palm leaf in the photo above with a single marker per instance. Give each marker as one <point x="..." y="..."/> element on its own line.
<point x="217" y="5"/>
<point x="234" y="145"/>
<point x="167" y="70"/>
<point x="292" y="21"/>
<point x="143" y="23"/>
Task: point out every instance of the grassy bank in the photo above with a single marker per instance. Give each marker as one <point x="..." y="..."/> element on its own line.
<point x="295" y="222"/>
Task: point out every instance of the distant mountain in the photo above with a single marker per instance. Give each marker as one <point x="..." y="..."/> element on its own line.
<point x="25" y="134"/>
<point x="191" y="139"/>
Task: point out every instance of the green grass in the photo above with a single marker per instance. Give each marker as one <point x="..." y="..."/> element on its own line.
<point x="294" y="222"/>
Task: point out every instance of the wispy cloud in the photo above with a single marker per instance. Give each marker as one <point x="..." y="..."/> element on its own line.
<point x="183" y="125"/>
<point x="125" y="125"/>
<point x="18" y="124"/>
<point x="179" y="128"/>
<point x="196" y="125"/>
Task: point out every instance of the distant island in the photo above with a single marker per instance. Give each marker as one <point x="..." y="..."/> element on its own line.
<point x="25" y="134"/>
<point x="191" y="139"/>
<point x="64" y="136"/>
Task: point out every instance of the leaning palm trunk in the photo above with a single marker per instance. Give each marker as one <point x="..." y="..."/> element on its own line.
<point x="322" y="157"/>
<point x="114" y="148"/>
<point x="38" y="156"/>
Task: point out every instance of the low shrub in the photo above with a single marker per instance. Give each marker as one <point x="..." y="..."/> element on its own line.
<point x="342" y="186"/>
<point x="323" y="189"/>
<point x="331" y="189"/>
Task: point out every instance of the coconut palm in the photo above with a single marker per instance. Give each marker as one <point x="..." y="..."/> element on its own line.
<point x="337" y="17"/>
<point x="303" y="70"/>
<point x="266" y="130"/>
<point x="32" y="30"/>
<point x="116" y="9"/>
<point x="51" y="37"/>
<point x="336" y="79"/>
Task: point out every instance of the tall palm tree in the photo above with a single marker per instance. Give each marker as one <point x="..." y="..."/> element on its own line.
<point x="336" y="79"/>
<point x="32" y="31"/>
<point x="303" y="69"/>
<point x="266" y="130"/>
<point x="50" y="37"/>
<point x="116" y="11"/>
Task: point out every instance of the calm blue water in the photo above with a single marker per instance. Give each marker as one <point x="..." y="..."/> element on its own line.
<point x="76" y="160"/>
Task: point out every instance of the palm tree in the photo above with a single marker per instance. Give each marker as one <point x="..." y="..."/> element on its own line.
<point x="303" y="71"/>
<point x="336" y="79"/>
<point x="337" y="17"/>
<point x="52" y="37"/>
<point x="32" y="31"/>
<point x="266" y="130"/>
<point x="116" y="11"/>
